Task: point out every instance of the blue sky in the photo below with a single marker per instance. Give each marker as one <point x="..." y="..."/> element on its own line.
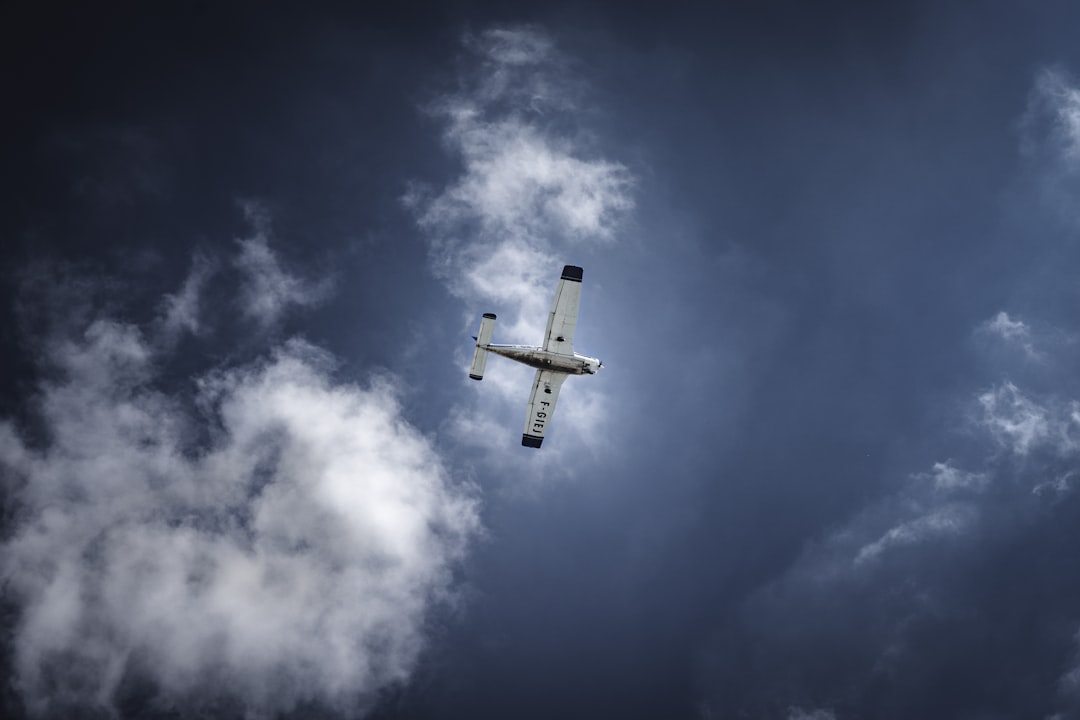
<point x="830" y="467"/>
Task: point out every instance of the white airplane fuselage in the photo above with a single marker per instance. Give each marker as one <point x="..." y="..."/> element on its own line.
<point x="542" y="359"/>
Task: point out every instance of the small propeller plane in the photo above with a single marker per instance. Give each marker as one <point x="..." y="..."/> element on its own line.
<point x="554" y="361"/>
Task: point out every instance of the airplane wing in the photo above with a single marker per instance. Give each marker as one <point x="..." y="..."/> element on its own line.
<point x="545" y="394"/>
<point x="564" y="311"/>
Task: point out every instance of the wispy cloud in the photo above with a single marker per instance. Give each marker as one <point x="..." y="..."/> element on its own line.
<point x="273" y="536"/>
<point x="1016" y="422"/>
<point x="1007" y="328"/>
<point x="1051" y="140"/>
<point x="268" y="289"/>
<point x="1055" y="99"/>
<point x="1068" y="685"/>
<point x="181" y="311"/>
<point x="945" y="520"/>
<point x="945" y="501"/>
<point x="1011" y="331"/>
<point x="947" y="478"/>
<point x="798" y="713"/>
<point x="1021" y="424"/>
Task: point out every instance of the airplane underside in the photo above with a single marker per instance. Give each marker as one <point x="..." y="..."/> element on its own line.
<point x="554" y="361"/>
<point x="536" y="357"/>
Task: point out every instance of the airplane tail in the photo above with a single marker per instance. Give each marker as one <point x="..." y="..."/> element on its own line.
<point x="483" y="338"/>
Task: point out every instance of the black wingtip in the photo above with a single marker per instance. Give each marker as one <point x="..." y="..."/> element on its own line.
<point x="476" y="377"/>
<point x="571" y="272"/>
<point x="531" y="441"/>
<point x="489" y="316"/>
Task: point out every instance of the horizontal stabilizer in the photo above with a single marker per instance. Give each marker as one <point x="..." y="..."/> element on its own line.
<point x="483" y="339"/>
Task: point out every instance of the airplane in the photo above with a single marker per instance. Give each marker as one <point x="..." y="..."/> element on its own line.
<point x="554" y="361"/>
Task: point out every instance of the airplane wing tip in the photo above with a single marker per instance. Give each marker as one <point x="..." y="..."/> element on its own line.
<point x="572" y="272"/>
<point x="531" y="441"/>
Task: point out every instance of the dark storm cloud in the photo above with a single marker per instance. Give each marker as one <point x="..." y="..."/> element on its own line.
<point x="122" y="166"/>
<point x="269" y="536"/>
<point x="950" y="595"/>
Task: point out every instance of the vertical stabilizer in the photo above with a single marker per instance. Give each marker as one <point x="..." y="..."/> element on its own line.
<point x="483" y="338"/>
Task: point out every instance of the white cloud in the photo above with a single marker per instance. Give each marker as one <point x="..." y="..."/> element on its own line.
<point x="945" y="520"/>
<point x="898" y="551"/>
<point x="513" y="46"/>
<point x="797" y="713"/>
<point x="527" y="194"/>
<point x="1013" y="332"/>
<point x="1050" y="140"/>
<point x="947" y="478"/>
<point x="1017" y="423"/>
<point x="180" y="312"/>
<point x="1056" y="96"/>
<point x="1021" y="425"/>
<point x="520" y="69"/>
<point x="267" y="289"/>
<point x="1057" y="486"/>
<point x="520" y="180"/>
<point x="277" y="538"/>
<point x="1007" y="328"/>
<point x="531" y="196"/>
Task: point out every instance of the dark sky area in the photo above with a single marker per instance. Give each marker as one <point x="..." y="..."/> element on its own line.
<point x="829" y="471"/>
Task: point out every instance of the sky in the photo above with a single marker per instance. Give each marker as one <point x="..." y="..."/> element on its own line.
<point x="831" y="467"/>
